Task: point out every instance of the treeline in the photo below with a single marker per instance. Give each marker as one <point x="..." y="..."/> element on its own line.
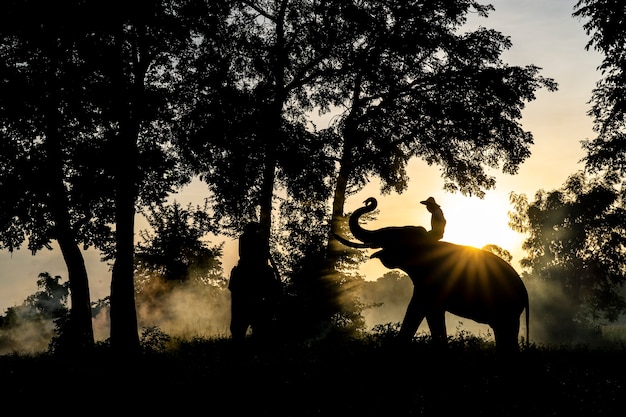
<point x="106" y="108"/>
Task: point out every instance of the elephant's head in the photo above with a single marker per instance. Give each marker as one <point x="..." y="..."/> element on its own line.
<point x="396" y="243"/>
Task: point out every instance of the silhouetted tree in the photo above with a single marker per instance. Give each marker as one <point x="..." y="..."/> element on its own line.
<point x="174" y="258"/>
<point x="577" y="241"/>
<point x="605" y="21"/>
<point x="497" y="250"/>
<point x="94" y="123"/>
<point x="416" y="85"/>
<point x="248" y="132"/>
<point x="136" y="52"/>
<point x="316" y="303"/>
<point x="40" y="321"/>
<point x="49" y="179"/>
<point x="174" y="250"/>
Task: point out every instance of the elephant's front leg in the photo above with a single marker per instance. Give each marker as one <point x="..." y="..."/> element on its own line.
<point x="413" y="317"/>
<point x="437" y="325"/>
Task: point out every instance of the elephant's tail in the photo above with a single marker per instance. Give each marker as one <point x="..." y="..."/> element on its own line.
<point x="527" y="308"/>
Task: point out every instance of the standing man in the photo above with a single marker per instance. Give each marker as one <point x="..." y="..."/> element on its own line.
<point x="437" y="220"/>
<point x="253" y="287"/>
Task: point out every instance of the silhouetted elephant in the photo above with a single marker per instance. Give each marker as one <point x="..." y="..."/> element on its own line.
<point x="462" y="280"/>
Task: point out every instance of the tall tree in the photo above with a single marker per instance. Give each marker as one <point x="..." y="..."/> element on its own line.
<point x="105" y="87"/>
<point x="136" y="52"/>
<point x="416" y="85"/>
<point x="27" y="327"/>
<point x="605" y="21"/>
<point x="249" y="134"/>
<point x="45" y="126"/>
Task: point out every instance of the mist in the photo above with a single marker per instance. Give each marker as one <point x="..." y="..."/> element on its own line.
<point x="186" y="310"/>
<point x="552" y="316"/>
<point x="26" y="334"/>
<point x="181" y="311"/>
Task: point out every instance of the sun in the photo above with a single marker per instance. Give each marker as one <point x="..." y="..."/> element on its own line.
<point x="477" y="222"/>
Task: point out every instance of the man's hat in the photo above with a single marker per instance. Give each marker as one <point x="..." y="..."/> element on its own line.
<point x="430" y="202"/>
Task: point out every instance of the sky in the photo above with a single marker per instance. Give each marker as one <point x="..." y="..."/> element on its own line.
<point x="544" y="34"/>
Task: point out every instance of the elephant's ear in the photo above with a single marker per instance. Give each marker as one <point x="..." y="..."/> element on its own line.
<point x="351" y="244"/>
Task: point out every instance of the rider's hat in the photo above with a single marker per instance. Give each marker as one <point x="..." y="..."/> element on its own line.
<point x="430" y="202"/>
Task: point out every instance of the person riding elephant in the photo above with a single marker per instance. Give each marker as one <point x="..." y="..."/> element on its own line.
<point x="254" y="287"/>
<point x="437" y="219"/>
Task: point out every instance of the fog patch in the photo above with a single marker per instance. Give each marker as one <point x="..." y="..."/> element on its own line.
<point x="553" y="318"/>
<point x="185" y="310"/>
<point x="24" y="331"/>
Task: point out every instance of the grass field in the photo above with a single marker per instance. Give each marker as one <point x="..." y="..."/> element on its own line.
<point x="337" y="376"/>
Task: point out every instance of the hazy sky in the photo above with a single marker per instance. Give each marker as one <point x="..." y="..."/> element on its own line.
<point x="544" y="34"/>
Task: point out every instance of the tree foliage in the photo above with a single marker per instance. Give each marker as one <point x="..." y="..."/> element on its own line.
<point x="52" y="183"/>
<point x="416" y="84"/>
<point x="499" y="251"/>
<point x="174" y="249"/>
<point x="577" y="240"/>
<point x="248" y="134"/>
<point x="605" y="21"/>
<point x="41" y="321"/>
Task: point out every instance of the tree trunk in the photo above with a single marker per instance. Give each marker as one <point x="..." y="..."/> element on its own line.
<point x="80" y="329"/>
<point x="124" y="336"/>
<point x="335" y="250"/>
<point x="128" y="98"/>
<point x="270" y="131"/>
<point x="81" y="326"/>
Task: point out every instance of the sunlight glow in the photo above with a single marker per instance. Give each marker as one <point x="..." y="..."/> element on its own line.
<point x="475" y="222"/>
<point x="471" y="221"/>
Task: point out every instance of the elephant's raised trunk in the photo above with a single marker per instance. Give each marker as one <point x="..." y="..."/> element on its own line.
<point x="357" y="231"/>
<point x="361" y="234"/>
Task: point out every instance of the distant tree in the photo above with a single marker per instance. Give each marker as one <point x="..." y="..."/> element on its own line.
<point x="174" y="259"/>
<point x="40" y="321"/>
<point x="577" y="241"/>
<point x="605" y="21"/>
<point x="386" y="299"/>
<point x="497" y="250"/>
<point x="174" y="250"/>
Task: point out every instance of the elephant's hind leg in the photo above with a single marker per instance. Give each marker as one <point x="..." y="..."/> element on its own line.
<point x="506" y="334"/>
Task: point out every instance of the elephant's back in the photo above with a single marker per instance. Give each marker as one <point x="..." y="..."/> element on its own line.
<point x="470" y="273"/>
